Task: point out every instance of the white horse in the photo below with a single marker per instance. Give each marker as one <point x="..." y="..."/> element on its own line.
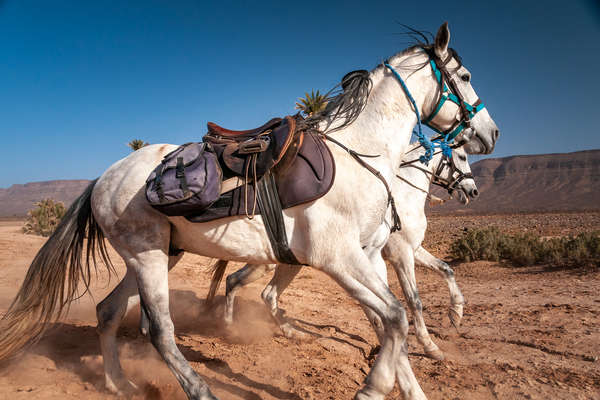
<point x="403" y="248"/>
<point x="327" y="234"/>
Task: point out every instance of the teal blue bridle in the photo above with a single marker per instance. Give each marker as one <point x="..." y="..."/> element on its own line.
<point x="468" y="110"/>
<point x="449" y="91"/>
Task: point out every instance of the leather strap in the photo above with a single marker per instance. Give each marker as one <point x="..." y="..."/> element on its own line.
<point x="357" y="156"/>
<point x="272" y="216"/>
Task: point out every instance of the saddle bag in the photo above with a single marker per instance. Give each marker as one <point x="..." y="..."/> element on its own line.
<point x="188" y="180"/>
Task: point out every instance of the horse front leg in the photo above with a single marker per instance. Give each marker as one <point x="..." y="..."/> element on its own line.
<point x="404" y="264"/>
<point x="354" y="273"/>
<point x="457" y="301"/>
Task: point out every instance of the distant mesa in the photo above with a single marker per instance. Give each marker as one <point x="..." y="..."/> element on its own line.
<point x="536" y="183"/>
<point x="18" y="199"/>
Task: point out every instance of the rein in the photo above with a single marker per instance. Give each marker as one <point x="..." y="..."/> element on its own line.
<point x="436" y="177"/>
<point x="467" y="110"/>
<point x="396" y="226"/>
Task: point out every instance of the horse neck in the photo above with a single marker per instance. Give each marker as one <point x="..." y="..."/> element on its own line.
<point x="385" y="126"/>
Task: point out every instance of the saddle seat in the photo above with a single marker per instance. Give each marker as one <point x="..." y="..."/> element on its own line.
<point x="214" y="129"/>
<point x="251" y="153"/>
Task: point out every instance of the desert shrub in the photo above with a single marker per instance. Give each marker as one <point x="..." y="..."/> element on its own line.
<point x="478" y="244"/>
<point x="43" y="219"/>
<point x="583" y="248"/>
<point x="527" y="249"/>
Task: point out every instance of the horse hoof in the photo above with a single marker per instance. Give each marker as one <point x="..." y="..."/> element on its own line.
<point x="368" y="394"/>
<point x="124" y="388"/>
<point x="435" y="354"/>
<point x="292" y="333"/>
<point x="455" y="316"/>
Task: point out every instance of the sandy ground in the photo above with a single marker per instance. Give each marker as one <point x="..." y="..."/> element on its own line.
<point x="528" y="333"/>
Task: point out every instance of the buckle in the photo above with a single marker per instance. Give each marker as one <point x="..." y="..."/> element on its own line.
<point x="253" y="146"/>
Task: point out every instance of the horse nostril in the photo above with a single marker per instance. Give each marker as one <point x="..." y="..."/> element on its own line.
<point x="474" y="193"/>
<point x="496" y="134"/>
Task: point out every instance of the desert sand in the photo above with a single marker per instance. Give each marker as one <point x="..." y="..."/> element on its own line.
<point x="529" y="332"/>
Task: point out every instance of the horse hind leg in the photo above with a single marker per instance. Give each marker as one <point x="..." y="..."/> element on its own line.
<point x="110" y="313"/>
<point x="151" y="269"/>
<point x="144" y="321"/>
<point x="284" y="275"/>
<point x="242" y="277"/>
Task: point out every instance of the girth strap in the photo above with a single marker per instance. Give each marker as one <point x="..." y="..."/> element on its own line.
<point x="272" y="216"/>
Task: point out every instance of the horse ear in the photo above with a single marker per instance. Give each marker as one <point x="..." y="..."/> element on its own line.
<point x="442" y="39"/>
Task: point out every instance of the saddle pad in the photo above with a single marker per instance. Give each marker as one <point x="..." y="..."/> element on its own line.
<point x="309" y="177"/>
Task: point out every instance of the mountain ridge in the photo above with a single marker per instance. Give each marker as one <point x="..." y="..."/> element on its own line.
<point x="513" y="184"/>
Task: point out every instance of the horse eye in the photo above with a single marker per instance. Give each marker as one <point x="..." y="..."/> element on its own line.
<point x="463" y="158"/>
<point x="466" y="77"/>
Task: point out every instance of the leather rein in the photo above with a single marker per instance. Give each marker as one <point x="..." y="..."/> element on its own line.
<point x="436" y="176"/>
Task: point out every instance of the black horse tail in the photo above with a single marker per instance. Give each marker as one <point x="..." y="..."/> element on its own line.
<point x="53" y="278"/>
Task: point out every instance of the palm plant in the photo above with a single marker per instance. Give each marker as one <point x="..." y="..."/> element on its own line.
<point x="137" y="144"/>
<point x="311" y="103"/>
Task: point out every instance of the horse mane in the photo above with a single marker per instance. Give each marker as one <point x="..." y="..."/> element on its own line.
<point x="345" y="102"/>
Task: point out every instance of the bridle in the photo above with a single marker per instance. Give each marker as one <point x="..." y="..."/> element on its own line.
<point x="450" y="184"/>
<point x="448" y="91"/>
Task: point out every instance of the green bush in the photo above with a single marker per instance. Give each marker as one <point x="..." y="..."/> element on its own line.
<point x="44" y="219"/>
<point x="478" y="244"/>
<point x="527" y="249"/>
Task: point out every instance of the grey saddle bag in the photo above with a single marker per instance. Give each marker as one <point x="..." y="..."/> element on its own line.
<point x="188" y="180"/>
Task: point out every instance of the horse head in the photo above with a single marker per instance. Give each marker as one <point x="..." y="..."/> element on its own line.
<point x="454" y="174"/>
<point x="464" y="117"/>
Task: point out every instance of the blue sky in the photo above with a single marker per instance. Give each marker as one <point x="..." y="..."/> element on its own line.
<point x="80" y="79"/>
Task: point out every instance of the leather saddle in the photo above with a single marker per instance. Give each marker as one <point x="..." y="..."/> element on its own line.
<point x="300" y="161"/>
<point x="249" y="154"/>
